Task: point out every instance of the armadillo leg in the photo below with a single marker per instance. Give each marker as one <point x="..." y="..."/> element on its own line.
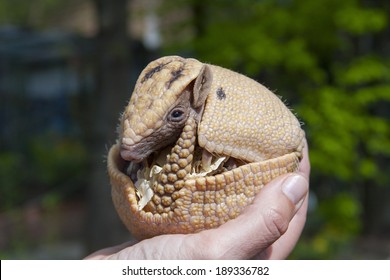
<point x="171" y="179"/>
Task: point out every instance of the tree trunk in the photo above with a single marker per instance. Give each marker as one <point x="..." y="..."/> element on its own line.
<point x="113" y="75"/>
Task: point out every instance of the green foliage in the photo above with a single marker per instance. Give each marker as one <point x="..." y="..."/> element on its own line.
<point x="11" y="166"/>
<point x="341" y="214"/>
<point x="55" y="160"/>
<point x="28" y="13"/>
<point x="338" y="224"/>
<point x="362" y="71"/>
<point x="51" y="166"/>
<point x="357" y="21"/>
<point x="342" y="120"/>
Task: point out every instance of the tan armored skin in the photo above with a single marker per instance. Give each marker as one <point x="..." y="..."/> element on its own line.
<point x="196" y="143"/>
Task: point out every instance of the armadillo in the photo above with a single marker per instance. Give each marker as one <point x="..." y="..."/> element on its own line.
<point x="196" y="143"/>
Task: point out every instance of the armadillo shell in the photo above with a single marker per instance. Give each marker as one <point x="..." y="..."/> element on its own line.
<point x="206" y="202"/>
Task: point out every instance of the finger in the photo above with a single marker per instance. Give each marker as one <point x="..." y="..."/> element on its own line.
<point x="286" y="243"/>
<point x="107" y="252"/>
<point x="304" y="165"/>
<point x="283" y="247"/>
<point x="260" y="225"/>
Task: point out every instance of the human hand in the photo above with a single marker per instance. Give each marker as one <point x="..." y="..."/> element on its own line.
<point x="267" y="229"/>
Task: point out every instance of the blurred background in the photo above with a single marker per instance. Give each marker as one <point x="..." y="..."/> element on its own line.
<point x="67" y="69"/>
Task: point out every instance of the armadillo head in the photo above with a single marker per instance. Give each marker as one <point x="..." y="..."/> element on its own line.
<point x="167" y="92"/>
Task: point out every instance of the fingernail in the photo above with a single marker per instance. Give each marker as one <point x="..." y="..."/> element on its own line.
<point x="295" y="188"/>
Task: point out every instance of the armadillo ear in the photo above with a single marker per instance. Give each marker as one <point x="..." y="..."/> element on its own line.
<point x="202" y="87"/>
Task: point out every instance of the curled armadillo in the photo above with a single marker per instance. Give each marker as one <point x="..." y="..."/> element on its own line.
<point x="196" y="143"/>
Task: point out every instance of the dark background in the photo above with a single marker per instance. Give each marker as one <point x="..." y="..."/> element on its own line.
<point x="67" y="69"/>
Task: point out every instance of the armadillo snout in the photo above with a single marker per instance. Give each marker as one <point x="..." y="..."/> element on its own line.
<point x="134" y="153"/>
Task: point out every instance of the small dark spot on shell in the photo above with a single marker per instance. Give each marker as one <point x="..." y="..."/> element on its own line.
<point x="221" y="93"/>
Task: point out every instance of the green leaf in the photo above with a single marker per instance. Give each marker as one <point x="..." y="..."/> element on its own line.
<point x="357" y="20"/>
<point x="363" y="70"/>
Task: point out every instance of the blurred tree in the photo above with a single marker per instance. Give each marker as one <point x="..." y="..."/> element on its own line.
<point x="113" y="66"/>
<point x="330" y="59"/>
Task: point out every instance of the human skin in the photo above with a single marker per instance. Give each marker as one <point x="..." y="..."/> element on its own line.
<point x="269" y="228"/>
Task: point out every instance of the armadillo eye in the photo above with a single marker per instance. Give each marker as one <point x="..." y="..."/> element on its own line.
<point x="176" y="115"/>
